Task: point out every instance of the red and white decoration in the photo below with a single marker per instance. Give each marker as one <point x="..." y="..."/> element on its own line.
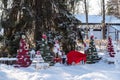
<point x="38" y="62"/>
<point x="38" y="58"/>
<point x="75" y="57"/>
<point x="110" y="47"/>
<point x="57" y="52"/>
<point x="23" y="59"/>
<point x="56" y="48"/>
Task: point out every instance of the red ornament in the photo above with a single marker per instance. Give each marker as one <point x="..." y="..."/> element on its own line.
<point x="44" y="36"/>
<point x="92" y="37"/>
<point x="38" y="52"/>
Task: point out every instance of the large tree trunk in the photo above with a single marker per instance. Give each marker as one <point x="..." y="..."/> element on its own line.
<point x="38" y="19"/>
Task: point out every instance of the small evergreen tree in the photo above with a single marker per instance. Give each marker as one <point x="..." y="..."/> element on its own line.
<point x="110" y="47"/>
<point x="45" y="49"/>
<point x="92" y="55"/>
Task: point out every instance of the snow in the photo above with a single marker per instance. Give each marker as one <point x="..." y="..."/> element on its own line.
<point x="10" y="59"/>
<point x="97" y="71"/>
<point x="97" y="18"/>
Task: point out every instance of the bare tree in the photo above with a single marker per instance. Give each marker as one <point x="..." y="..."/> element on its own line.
<point x="86" y="14"/>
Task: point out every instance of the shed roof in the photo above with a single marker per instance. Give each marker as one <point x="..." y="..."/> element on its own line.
<point x="97" y="18"/>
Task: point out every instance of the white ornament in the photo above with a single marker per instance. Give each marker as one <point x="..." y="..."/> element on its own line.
<point x="20" y="44"/>
<point x="55" y="50"/>
<point x="20" y="50"/>
<point x="42" y="39"/>
<point x="23" y="36"/>
<point x="60" y="53"/>
<point x="43" y="44"/>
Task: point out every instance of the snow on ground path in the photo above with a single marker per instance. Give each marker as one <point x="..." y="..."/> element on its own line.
<point x="20" y="74"/>
<point x="98" y="71"/>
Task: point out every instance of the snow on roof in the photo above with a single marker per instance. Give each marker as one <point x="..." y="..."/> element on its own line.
<point x="116" y="27"/>
<point x="97" y="18"/>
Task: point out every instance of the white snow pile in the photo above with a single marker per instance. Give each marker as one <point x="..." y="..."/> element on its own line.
<point x="97" y="71"/>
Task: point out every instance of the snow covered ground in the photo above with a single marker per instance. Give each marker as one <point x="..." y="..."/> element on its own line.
<point x="97" y="71"/>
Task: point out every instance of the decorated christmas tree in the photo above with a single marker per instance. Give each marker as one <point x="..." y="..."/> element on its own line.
<point x="91" y="53"/>
<point x="110" y="47"/>
<point x="45" y="49"/>
<point x="23" y="59"/>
